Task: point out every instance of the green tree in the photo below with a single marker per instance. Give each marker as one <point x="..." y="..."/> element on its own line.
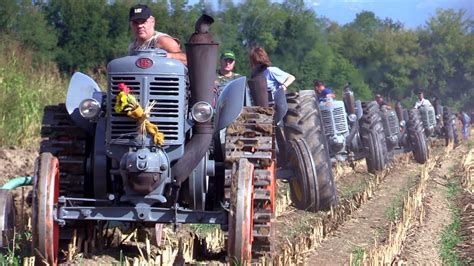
<point x="83" y="28"/>
<point x="8" y="13"/>
<point x="33" y="31"/>
<point x="448" y="52"/>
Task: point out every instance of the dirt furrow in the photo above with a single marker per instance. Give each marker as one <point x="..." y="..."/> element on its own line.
<point x="370" y="221"/>
<point x="422" y="245"/>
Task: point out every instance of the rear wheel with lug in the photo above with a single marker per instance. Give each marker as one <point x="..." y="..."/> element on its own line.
<point x="241" y="213"/>
<point x="250" y="184"/>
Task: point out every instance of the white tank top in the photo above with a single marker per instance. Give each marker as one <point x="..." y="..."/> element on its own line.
<point x="148" y="44"/>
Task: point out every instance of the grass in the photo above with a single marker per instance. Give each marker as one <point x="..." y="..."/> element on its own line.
<point x="204" y="230"/>
<point x="357" y="256"/>
<point x="352" y="189"/>
<point x="300" y="225"/>
<point x="394" y="210"/>
<point x="19" y="249"/>
<point x="450" y="236"/>
<point x="470" y="144"/>
<point x="25" y="88"/>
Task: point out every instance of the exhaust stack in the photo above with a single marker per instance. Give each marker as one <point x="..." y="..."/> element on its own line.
<point x="201" y="53"/>
<point x="349" y="99"/>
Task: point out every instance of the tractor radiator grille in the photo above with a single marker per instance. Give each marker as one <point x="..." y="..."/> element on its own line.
<point x="334" y="121"/>
<point x="392" y="127"/>
<point x="428" y="116"/>
<point x="168" y="113"/>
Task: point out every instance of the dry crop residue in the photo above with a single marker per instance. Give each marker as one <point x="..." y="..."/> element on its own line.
<point x="369" y="222"/>
<point x="422" y="245"/>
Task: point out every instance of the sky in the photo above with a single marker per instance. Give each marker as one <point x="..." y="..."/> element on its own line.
<point x="412" y="13"/>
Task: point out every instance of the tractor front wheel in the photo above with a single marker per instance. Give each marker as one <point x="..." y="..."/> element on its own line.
<point x="373" y="137"/>
<point x="417" y="137"/>
<point x="7" y="218"/>
<point x="45" y="196"/>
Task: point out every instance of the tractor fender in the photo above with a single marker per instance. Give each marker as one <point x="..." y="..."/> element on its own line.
<point x="81" y="87"/>
<point x="230" y="103"/>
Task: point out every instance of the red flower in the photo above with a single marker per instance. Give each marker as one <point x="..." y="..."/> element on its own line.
<point x="124" y="88"/>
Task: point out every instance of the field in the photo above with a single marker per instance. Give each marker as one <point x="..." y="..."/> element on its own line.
<point x="411" y="213"/>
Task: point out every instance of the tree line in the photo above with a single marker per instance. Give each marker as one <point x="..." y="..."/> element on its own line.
<point x="376" y="55"/>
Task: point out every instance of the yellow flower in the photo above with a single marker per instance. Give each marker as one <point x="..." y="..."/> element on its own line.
<point x="121" y="102"/>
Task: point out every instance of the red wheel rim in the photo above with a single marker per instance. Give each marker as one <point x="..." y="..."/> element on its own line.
<point x="241" y="214"/>
<point x="46" y="193"/>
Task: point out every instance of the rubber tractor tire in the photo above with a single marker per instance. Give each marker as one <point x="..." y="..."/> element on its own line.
<point x="417" y="137"/>
<point x="303" y="127"/>
<point x="373" y="137"/>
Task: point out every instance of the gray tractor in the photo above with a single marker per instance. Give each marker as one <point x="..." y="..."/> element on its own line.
<point x="428" y="117"/>
<point x="178" y="160"/>
<point x="404" y="132"/>
<point x="445" y="123"/>
<point x="354" y="131"/>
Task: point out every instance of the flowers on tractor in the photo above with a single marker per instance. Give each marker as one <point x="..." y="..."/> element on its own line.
<point x="126" y="102"/>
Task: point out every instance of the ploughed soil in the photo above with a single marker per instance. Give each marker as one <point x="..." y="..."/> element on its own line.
<point x="16" y="162"/>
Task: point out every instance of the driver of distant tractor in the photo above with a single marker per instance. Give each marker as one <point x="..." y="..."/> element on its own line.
<point x="323" y="92"/>
<point x="421" y="100"/>
<point x="381" y="102"/>
<point x="142" y="24"/>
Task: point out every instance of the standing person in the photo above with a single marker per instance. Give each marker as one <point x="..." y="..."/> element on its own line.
<point x="381" y="102"/>
<point x="142" y="24"/>
<point x="421" y="100"/>
<point x="465" y="121"/>
<point x="277" y="79"/>
<point x="323" y="92"/>
<point x="226" y="70"/>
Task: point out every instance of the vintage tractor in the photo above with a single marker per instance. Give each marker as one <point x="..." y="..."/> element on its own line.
<point x="438" y="130"/>
<point x="428" y="117"/>
<point x="154" y="150"/>
<point x="354" y="130"/>
<point x="404" y="132"/>
<point x="449" y="126"/>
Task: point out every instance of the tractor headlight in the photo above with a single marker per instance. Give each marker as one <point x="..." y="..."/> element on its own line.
<point x="89" y="108"/>
<point x="202" y="112"/>
<point x="402" y="123"/>
<point x="352" y="117"/>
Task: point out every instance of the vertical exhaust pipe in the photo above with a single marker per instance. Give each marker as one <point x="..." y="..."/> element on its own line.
<point x="258" y="88"/>
<point x="201" y="53"/>
<point x="399" y="111"/>
<point x="349" y="99"/>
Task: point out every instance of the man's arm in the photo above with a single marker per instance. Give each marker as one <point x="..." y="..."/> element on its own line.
<point x="171" y="46"/>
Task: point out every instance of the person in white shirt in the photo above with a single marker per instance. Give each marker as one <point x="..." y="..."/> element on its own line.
<point x="421" y="100"/>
